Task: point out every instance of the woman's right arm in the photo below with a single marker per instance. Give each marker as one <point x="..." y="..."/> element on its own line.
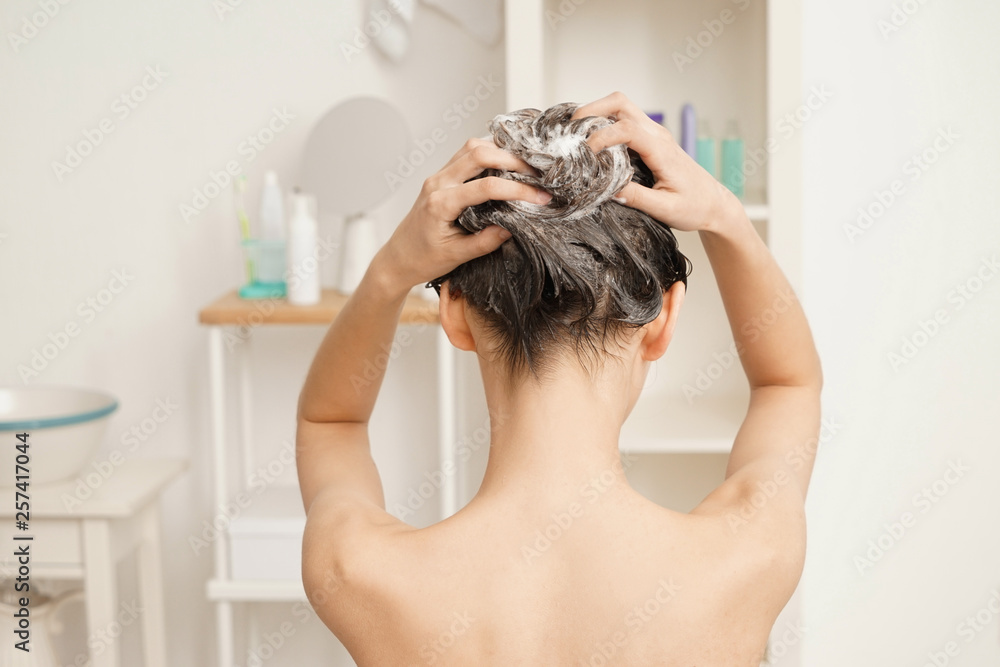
<point x="776" y="349"/>
<point x="776" y="444"/>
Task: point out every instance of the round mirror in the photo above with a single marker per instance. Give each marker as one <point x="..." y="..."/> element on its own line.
<point x="348" y="153"/>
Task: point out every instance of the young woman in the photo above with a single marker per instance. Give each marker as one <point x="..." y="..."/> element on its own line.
<point x="552" y="251"/>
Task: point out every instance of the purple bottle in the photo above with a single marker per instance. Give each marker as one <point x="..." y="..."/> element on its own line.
<point x="689" y="131"/>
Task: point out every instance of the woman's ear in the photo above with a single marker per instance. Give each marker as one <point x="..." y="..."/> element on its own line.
<point x="452" y="311"/>
<point x="660" y="331"/>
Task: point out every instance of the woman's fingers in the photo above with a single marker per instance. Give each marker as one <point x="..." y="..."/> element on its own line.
<point x="680" y="197"/>
<point x="480" y="147"/>
<point x="485" y="241"/>
<point x="466" y="147"/>
<point x="448" y="203"/>
<point x="653" y="149"/>
<point x="633" y="128"/>
<point x="476" y="156"/>
<point x="485" y="156"/>
<point x="658" y="204"/>
<point x="616" y="104"/>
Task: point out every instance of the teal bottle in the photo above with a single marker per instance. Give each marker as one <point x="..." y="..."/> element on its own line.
<point x="733" y="156"/>
<point x="706" y="149"/>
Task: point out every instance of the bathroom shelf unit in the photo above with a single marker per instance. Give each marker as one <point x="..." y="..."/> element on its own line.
<point x="757" y="212"/>
<point x="749" y="72"/>
<point x="732" y="60"/>
<point x="705" y="425"/>
<point x="255" y="591"/>
<point x="230" y="321"/>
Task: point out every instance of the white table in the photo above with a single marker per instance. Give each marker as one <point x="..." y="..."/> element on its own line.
<point x="86" y="541"/>
<point x="231" y="322"/>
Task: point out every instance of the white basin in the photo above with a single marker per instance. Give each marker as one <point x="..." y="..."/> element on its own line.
<point x="64" y="425"/>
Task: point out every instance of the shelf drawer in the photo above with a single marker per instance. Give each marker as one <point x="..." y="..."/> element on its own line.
<point x="56" y="542"/>
<point x="266" y="539"/>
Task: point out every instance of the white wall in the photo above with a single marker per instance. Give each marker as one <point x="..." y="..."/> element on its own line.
<point x="901" y="427"/>
<point x="120" y="210"/>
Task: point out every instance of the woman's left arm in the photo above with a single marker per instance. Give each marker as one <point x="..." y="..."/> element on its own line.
<point x="336" y="401"/>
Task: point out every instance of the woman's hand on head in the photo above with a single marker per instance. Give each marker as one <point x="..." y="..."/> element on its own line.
<point x="427" y="244"/>
<point x="684" y="196"/>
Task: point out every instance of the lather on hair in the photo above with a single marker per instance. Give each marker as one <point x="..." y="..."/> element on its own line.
<point x="577" y="270"/>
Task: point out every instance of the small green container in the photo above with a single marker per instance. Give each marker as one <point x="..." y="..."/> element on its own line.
<point x="265" y="269"/>
<point x="733" y="155"/>
<point x="706" y="155"/>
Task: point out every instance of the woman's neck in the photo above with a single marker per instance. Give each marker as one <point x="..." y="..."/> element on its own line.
<point x="550" y="441"/>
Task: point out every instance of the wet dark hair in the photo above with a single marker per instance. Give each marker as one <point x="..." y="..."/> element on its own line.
<point x="576" y="271"/>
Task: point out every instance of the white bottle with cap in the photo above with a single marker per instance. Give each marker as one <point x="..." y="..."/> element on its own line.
<point x="272" y="209"/>
<point x="303" y="254"/>
<point x="359" y="247"/>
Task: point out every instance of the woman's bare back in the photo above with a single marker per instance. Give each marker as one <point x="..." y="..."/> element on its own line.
<point x="616" y="581"/>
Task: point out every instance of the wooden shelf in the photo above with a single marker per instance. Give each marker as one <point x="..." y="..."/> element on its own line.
<point x="230" y="309"/>
<point x="757" y="212"/>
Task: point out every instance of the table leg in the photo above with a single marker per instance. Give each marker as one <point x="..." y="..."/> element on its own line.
<point x="224" y="620"/>
<point x="446" y="423"/>
<point x="253" y="630"/>
<point x="101" y="594"/>
<point x="223" y="609"/>
<point x="246" y="410"/>
<point x="151" y="589"/>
